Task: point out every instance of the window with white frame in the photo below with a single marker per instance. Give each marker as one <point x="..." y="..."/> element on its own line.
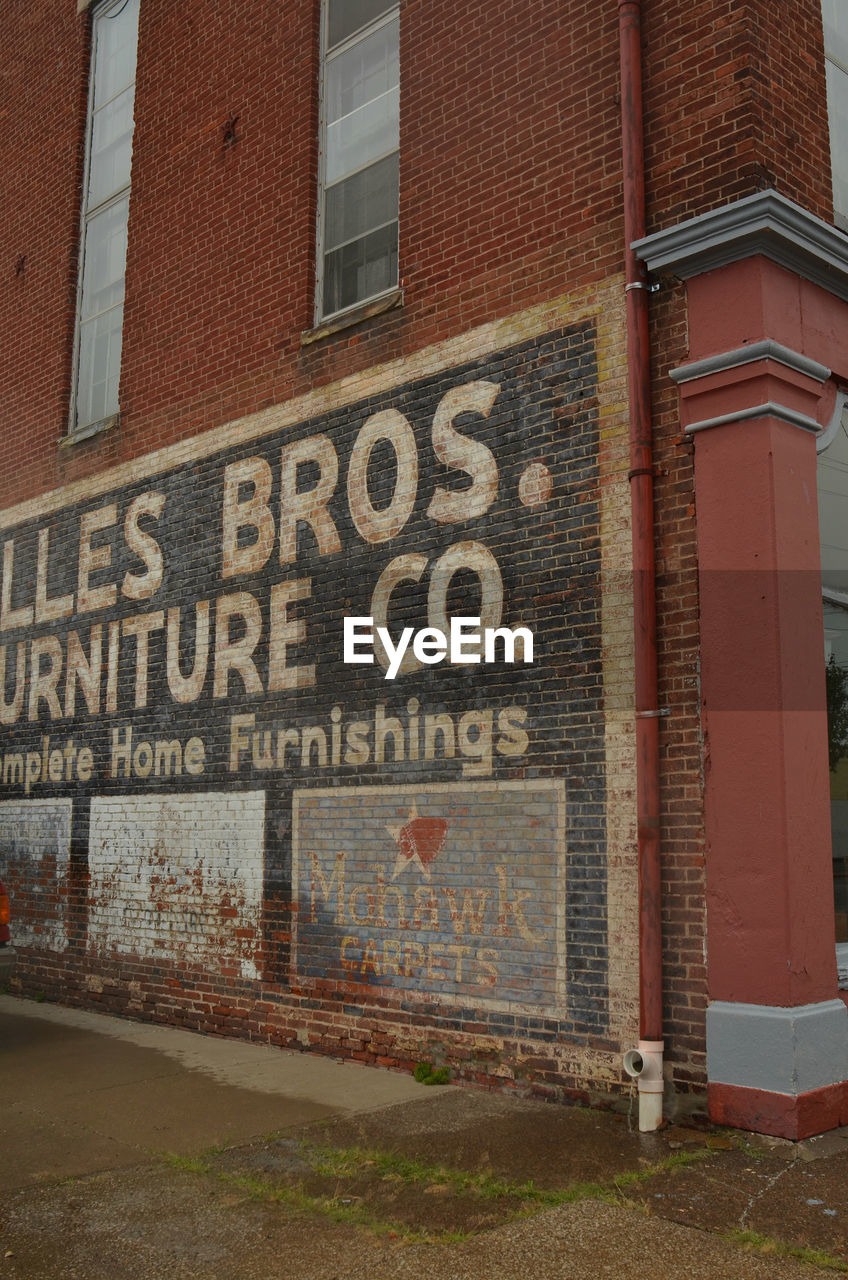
<point x="358" y="196"/>
<point x="835" y="24"/>
<point x="105" y="209"/>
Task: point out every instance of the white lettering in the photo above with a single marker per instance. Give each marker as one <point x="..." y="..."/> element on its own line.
<point x="355" y="634"/>
<point x="460" y="635"/>
<point x="430" y="645"/>
<point x="395" y="652"/>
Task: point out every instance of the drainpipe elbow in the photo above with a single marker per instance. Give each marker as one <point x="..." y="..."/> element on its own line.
<point x="645" y="1065"/>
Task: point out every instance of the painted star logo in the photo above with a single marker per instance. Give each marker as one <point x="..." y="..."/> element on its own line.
<point x="419" y="841"/>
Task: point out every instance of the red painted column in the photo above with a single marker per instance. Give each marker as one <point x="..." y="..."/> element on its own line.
<point x="767" y="314"/>
<point x="769" y="874"/>
<point x="752" y="398"/>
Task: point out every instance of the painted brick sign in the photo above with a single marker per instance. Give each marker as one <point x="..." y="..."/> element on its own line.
<point x="179" y="877"/>
<point x="35" y="841"/>
<point x="191" y="627"/>
<point x="172" y="648"/>
<point x="456" y="890"/>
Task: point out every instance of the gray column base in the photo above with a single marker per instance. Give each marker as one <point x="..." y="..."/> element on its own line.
<point x="780" y="1050"/>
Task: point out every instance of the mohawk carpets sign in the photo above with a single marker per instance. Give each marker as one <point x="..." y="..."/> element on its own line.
<point x="456" y="890"/>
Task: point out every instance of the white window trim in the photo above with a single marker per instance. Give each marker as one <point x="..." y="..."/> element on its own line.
<point x="320" y="317"/>
<point x="840" y="217"/>
<point x="75" y="431"/>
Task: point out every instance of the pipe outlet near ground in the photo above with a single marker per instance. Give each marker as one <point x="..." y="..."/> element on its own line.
<point x="645" y="1065"/>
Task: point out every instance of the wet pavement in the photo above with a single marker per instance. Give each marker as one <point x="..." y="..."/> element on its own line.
<point x="131" y="1150"/>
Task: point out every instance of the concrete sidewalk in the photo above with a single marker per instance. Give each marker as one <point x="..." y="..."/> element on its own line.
<point x="84" y="1091"/>
<point x="130" y="1150"/>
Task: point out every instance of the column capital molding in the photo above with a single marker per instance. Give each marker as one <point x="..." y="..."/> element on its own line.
<point x="765" y="349"/>
<point x="765" y="223"/>
<point x="755" y="412"/>
<point x="763" y="379"/>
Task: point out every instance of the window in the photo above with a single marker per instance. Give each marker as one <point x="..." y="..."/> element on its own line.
<point x="358" y="196"/>
<point x="833" y="533"/>
<point x="105" y="207"/>
<point x="835" y="21"/>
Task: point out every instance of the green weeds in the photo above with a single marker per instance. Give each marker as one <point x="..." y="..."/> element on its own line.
<point x="425" y="1073"/>
<point x="339" y="1208"/>
<point x="348" y="1164"/>
<point x="755" y="1242"/>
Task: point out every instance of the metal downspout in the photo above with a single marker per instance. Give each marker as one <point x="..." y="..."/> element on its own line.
<point x="649" y="1055"/>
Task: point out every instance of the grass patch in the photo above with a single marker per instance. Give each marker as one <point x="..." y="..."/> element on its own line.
<point x="341" y="1162"/>
<point x="346" y="1164"/>
<point x="755" y="1242"/>
<point x="295" y="1198"/>
<point x="425" y="1073"/>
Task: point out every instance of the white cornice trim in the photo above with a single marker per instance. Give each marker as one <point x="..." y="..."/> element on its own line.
<point x="766" y="349"/>
<point x="768" y="410"/>
<point x="765" y="223"/>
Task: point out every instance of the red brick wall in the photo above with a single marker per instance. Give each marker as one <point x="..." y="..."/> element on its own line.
<point x="734" y="103"/>
<point x="41" y="130"/>
<point x="510" y="164"/>
<point x="681" y="744"/>
<point x="497" y="208"/>
<point x="510" y="188"/>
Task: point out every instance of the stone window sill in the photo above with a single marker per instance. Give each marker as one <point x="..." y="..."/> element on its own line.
<point x="91" y="429"/>
<point x="356" y="315"/>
